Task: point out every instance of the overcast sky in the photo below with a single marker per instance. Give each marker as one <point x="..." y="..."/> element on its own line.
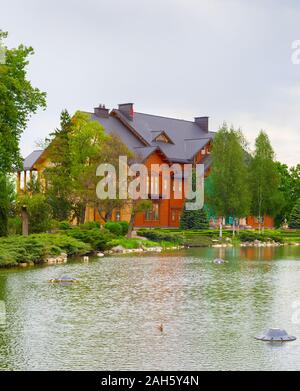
<point x="230" y="60"/>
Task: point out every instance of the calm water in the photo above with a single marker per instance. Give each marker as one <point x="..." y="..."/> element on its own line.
<point x="110" y="320"/>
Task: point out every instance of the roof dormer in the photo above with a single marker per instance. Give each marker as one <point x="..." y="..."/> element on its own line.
<point x="162" y="137"/>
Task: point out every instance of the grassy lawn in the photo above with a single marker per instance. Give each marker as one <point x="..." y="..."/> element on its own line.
<point x="210" y="236"/>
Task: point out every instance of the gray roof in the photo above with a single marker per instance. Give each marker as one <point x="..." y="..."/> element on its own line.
<point x="187" y="136"/>
<point x="31" y="159"/>
<point x="139" y="134"/>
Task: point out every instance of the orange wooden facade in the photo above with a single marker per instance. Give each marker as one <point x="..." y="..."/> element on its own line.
<point x="253" y="222"/>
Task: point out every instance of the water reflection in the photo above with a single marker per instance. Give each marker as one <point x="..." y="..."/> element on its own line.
<point x="110" y="320"/>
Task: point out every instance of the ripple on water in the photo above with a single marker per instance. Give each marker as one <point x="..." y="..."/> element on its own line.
<point x="110" y="319"/>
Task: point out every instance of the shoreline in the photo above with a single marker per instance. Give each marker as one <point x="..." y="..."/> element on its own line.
<point x="63" y="257"/>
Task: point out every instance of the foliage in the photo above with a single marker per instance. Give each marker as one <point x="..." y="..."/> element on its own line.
<point x="160" y="235"/>
<point x="132" y="243"/>
<point x="19" y="100"/>
<point x="128" y="243"/>
<point x="295" y="216"/>
<point x="14" y="225"/>
<point x="113" y="148"/>
<point x="75" y="151"/>
<point x="250" y="236"/>
<point x="96" y="237"/>
<point x="39" y="212"/>
<point x="59" y="173"/>
<point x="64" y="225"/>
<point x="90" y="225"/>
<point x="114" y="227"/>
<point x="289" y="186"/>
<point x="230" y="192"/>
<point x="125" y="227"/>
<point x="137" y="206"/>
<point x="194" y="219"/>
<point x="3" y="206"/>
<point x="264" y="179"/>
<point x="34" y="248"/>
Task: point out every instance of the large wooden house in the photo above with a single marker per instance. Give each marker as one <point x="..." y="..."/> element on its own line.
<point x="157" y="140"/>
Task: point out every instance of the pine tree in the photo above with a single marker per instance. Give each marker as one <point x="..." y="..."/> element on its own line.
<point x="194" y="219"/>
<point x="295" y="216"/>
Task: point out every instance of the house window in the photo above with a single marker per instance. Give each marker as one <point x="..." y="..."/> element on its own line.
<point x="152" y="214"/>
<point x="155" y="185"/>
<point x="177" y="186"/>
<point x="118" y="215"/>
<point x="165" y="184"/>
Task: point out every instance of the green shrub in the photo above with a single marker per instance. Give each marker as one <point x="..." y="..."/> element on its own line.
<point x="125" y="226"/>
<point x="64" y="225"/>
<point x="130" y="243"/>
<point x="96" y="237"/>
<point x="90" y="225"/>
<point x="159" y="236"/>
<point x="39" y="212"/>
<point x="250" y="236"/>
<point x="15" y="225"/>
<point x="194" y="219"/>
<point x="114" y="227"/>
<point x="34" y="248"/>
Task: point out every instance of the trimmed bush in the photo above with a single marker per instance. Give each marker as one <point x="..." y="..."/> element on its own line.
<point x="64" y="225"/>
<point x="125" y="226"/>
<point x="114" y="227"/>
<point x="90" y="225"/>
<point x="34" y="248"/>
<point x="250" y="236"/>
<point x="159" y="236"/>
<point x="96" y="237"/>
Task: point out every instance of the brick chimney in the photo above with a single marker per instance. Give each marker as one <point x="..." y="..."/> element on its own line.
<point x="202" y="122"/>
<point x="101" y="111"/>
<point x="127" y="110"/>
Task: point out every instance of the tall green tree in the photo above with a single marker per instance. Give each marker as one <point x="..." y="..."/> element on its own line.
<point x="295" y="216"/>
<point x="194" y="219"/>
<point x="264" y="180"/>
<point x="19" y="100"/>
<point x="59" y="193"/>
<point x="75" y="150"/>
<point x="289" y="186"/>
<point x="229" y="195"/>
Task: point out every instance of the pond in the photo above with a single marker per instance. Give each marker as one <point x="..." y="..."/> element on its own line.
<point x="110" y="319"/>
